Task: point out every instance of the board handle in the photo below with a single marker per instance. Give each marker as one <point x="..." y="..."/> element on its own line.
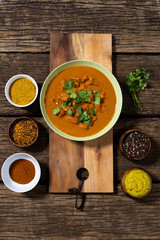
<point x="82" y="175"/>
<point x="77" y="191"/>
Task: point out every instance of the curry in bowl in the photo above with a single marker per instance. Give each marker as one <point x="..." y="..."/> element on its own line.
<point x="80" y="101"/>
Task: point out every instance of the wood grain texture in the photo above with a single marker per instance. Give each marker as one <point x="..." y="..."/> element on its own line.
<point x="98" y="160"/>
<point x="25" y="25"/>
<point x="36" y="65"/>
<point x="67" y="157"/>
<point x="41" y="150"/>
<point x="39" y="215"/>
<point x="98" y="154"/>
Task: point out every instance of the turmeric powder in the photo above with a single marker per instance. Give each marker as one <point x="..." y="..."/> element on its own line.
<point x="22" y="91"/>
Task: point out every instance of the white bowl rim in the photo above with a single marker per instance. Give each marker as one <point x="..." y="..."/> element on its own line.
<point x="13" y="79"/>
<point x="16" y="187"/>
<point x="113" y="120"/>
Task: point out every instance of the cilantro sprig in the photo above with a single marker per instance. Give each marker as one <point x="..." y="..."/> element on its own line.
<point x="135" y="81"/>
<point x="56" y="110"/>
<point x="70" y="112"/>
<point x="84" y="116"/>
<point x="69" y="85"/>
<point x="97" y="98"/>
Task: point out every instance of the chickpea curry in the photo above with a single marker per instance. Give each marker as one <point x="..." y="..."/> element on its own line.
<point x="80" y="101"/>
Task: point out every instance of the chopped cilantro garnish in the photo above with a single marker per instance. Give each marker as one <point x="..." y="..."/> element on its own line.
<point x="87" y="122"/>
<point x="76" y="105"/>
<point x="70" y="112"/>
<point x="89" y="92"/>
<point x="93" y="111"/>
<point x="80" y="118"/>
<point x="73" y="95"/>
<point x="69" y="85"/>
<point x="83" y="94"/>
<point x="69" y="92"/>
<point x="70" y="104"/>
<point x="80" y="110"/>
<point x="96" y="96"/>
<point x="56" y="110"/>
<point x="88" y="100"/>
<point x="84" y="117"/>
<point x="64" y="104"/>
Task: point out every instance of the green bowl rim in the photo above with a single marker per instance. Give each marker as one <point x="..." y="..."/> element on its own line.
<point x="117" y="91"/>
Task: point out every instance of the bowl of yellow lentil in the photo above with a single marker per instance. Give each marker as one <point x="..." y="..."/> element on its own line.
<point x="21" y="90"/>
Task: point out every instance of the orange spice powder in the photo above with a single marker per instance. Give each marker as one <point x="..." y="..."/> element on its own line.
<point x="22" y="171"/>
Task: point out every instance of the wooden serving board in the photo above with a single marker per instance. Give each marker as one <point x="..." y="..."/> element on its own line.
<point x="66" y="156"/>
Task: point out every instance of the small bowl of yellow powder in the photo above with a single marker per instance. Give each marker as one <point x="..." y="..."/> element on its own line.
<point x="136" y="182"/>
<point x="21" y="90"/>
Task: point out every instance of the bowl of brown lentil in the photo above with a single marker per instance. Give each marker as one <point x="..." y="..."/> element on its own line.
<point x="134" y="144"/>
<point x="23" y="132"/>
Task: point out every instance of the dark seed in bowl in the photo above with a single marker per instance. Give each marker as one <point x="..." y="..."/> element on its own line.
<point x="136" y="145"/>
<point x="23" y="132"/>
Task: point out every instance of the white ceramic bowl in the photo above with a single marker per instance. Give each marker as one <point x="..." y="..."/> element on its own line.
<point x="16" y="187"/>
<point x="14" y="78"/>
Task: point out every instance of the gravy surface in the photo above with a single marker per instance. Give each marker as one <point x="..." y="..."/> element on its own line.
<point x="101" y="83"/>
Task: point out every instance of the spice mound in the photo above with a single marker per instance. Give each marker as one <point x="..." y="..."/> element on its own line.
<point x="23" y="132"/>
<point x="22" y="171"/>
<point x="136" y="145"/>
<point x="137" y="183"/>
<point x="22" y="91"/>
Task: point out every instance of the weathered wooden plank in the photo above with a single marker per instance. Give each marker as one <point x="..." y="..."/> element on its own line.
<point x="63" y="164"/>
<point x="40" y="215"/>
<point x="25" y="25"/>
<point x="37" y="66"/>
<point x="41" y="152"/>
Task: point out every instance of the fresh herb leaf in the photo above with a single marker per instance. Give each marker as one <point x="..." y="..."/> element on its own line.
<point x="76" y="92"/>
<point x="79" y="100"/>
<point x="135" y="81"/>
<point x="73" y="95"/>
<point x="80" y="110"/>
<point x="96" y="94"/>
<point x="146" y="76"/>
<point x="70" y="104"/>
<point x="86" y="116"/>
<point x="64" y="104"/>
<point x="56" y="110"/>
<point x="76" y="105"/>
<point x="83" y="94"/>
<point x="69" y="92"/>
<point x="69" y="85"/>
<point x="70" y="112"/>
<point x="87" y="100"/>
<point x="97" y="98"/>
<point x="80" y="118"/>
<point x="93" y="111"/>
<point x="89" y="92"/>
<point x="87" y="122"/>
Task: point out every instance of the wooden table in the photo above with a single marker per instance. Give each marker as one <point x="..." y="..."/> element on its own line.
<point x="24" y="48"/>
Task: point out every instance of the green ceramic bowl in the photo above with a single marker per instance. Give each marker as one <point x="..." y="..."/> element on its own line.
<point x="88" y="64"/>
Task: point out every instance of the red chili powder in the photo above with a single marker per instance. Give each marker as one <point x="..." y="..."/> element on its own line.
<point x="22" y="171"/>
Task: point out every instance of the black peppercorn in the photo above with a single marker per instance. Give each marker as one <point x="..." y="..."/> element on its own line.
<point x="135" y="145"/>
